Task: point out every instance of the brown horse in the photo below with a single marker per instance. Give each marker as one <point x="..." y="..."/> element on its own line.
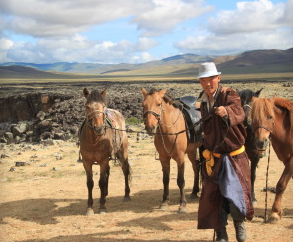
<point x="101" y="139"/>
<point x="162" y="118"/>
<point x="272" y="119"/>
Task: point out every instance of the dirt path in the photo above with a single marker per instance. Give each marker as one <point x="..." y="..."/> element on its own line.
<point x="46" y="200"/>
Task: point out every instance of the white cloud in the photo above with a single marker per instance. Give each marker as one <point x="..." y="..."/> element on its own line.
<point x="62" y="18"/>
<point x="75" y="49"/>
<point x="248" y="17"/>
<point x="5" y="44"/>
<point x="253" y="25"/>
<point x="166" y="14"/>
<point x="145" y="44"/>
<point x="230" y="44"/>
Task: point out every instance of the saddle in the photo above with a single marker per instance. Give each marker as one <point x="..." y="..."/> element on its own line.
<point x="192" y="115"/>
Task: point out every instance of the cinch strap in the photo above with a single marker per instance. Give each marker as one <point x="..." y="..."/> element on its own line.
<point x="209" y="156"/>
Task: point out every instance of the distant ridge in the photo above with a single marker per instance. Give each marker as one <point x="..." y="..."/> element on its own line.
<point x="258" y="61"/>
<point x="20" y="72"/>
<point x="255" y="61"/>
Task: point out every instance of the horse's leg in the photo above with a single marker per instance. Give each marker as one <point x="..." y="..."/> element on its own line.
<point x="253" y="166"/>
<point x="90" y="184"/>
<point x="103" y="184"/>
<point x="276" y="212"/>
<point x="181" y="185"/>
<point x="126" y="171"/>
<point x="192" y="155"/>
<point x="165" y="162"/>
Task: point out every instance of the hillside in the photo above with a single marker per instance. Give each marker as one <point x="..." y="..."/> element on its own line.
<point x="257" y="61"/>
<point x="260" y="61"/>
<point x="21" y="72"/>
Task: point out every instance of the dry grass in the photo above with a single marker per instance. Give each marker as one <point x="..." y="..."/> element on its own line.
<point x="41" y="204"/>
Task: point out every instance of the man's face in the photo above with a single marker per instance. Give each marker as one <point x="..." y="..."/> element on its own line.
<point x="210" y="84"/>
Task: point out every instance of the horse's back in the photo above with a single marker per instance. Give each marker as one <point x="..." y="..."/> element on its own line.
<point x="117" y="117"/>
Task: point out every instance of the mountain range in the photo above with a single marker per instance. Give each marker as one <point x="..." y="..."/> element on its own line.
<point x="255" y="61"/>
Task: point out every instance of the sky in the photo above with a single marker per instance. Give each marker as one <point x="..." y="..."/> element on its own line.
<point x="138" y="31"/>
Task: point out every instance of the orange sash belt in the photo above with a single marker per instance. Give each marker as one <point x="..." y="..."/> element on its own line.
<point x="209" y="156"/>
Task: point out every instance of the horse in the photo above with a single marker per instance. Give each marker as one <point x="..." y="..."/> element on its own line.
<point x="253" y="153"/>
<point x="272" y="121"/>
<point x="167" y="120"/>
<point x="102" y="137"/>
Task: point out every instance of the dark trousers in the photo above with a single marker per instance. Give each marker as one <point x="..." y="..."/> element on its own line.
<point x="229" y="207"/>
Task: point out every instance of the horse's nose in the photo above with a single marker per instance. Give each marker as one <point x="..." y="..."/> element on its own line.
<point x="99" y="130"/>
<point x="261" y="144"/>
<point x="150" y="129"/>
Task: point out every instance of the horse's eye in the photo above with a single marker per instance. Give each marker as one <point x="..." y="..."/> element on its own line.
<point x="158" y="105"/>
<point x="270" y="117"/>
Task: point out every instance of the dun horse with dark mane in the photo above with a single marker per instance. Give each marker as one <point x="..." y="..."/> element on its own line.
<point x="272" y="120"/>
<point x="166" y="121"/>
<point x="102" y="138"/>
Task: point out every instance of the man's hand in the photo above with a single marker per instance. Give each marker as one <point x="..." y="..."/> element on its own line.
<point x="221" y="111"/>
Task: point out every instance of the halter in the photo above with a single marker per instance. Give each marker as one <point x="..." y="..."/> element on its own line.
<point x="266" y="128"/>
<point x="247" y="105"/>
<point x="157" y="115"/>
<point x="93" y="114"/>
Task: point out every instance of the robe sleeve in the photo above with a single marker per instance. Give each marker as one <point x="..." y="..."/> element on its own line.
<point x="234" y="108"/>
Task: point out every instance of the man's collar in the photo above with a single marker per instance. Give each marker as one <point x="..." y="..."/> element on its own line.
<point x="205" y="98"/>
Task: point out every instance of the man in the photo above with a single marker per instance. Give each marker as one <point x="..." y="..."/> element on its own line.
<point x="226" y="171"/>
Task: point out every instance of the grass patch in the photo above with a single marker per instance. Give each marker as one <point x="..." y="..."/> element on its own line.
<point x="133" y="121"/>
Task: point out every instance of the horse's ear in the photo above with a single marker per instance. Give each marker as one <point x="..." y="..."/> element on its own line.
<point x="162" y="93"/>
<point x="144" y="92"/>
<point x="103" y="93"/>
<point x="85" y="92"/>
<point x="258" y="92"/>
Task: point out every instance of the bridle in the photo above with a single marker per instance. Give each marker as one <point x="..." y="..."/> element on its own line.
<point x="92" y="114"/>
<point x="266" y="128"/>
<point x="157" y="115"/>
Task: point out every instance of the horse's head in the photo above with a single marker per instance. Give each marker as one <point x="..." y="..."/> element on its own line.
<point x="152" y="108"/>
<point x="246" y="96"/>
<point x="95" y="110"/>
<point x="262" y="121"/>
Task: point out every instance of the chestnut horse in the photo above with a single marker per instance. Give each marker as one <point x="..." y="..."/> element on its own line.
<point x="101" y="139"/>
<point x="272" y="119"/>
<point x="253" y="153"/>
<point x="162" y="118"/>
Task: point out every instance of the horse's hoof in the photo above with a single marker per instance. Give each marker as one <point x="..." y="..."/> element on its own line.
<point x="89" y="212"/>
<point x="102" y="211"/>
<point x="254" y="203"/>
<point x="164" y="207"/>
<point x="193" y="196"/>
<point x="182" y="210"/>
<point x="126" y="199"/>
<point x="273" y="218"/>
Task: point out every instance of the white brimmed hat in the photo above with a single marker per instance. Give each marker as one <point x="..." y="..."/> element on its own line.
<point x="207" y="69"/>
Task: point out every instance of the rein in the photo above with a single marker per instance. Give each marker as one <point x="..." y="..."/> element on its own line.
<point x="267" y="178"/>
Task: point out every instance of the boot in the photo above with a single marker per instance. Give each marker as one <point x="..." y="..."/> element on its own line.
<point x="240" y="231"/>
<point x="221" y="235"/>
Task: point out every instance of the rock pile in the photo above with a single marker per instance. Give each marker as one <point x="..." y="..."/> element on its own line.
<point x="35" y="117"/>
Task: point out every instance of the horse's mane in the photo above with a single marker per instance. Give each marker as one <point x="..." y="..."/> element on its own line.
<point x="96" y="96"/>
<point x="287" y="105"/>
<point x="261" y="109"/>
<point x="166" y="97"/>
<point x="264" y="107"/>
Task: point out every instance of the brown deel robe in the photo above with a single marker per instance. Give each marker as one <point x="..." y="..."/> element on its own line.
<point x="223" y="136"/>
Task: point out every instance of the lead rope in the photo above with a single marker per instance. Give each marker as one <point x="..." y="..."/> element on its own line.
<point x="267" y="178"/>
